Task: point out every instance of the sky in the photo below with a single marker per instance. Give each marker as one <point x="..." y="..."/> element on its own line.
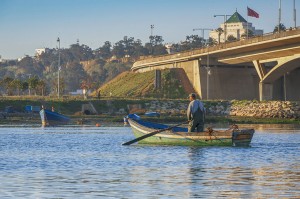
<point x="26" y="25"/>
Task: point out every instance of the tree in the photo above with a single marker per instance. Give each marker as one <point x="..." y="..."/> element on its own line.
<point x="281" y="28"/>
<point x="220" y="32"/>
<point x="81" y="52"/>
<point x="156" y="40"/>
<point x="212" y="41"/>
<point x="41" y="87"/>
<point x="156" y="47"/>
<point x="32" y="84"/>
<point x="231" y="38"/>
<point x="104" y="52"/>
<point x="24" y="86"/>
<point x="6" y="83"/>
<point x="17" y="84"/>
<point x="86" y="86"/>
<point x="128" y="48"/>
<point x="192" y="42"/>
<point x="30" y="66"/>
<point x="73" y="74"/>
<point x="250" y="34"/>
<point x="139" y="49"/>
<point x="62" y="86"/>
<point x="113" y="69"/>
<point x="119" y="49"/>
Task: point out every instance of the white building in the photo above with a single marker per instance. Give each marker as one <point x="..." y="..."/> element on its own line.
<point x="80" y="92"/>
<point x="39" y="51"/>
<point x="236" y="26"/>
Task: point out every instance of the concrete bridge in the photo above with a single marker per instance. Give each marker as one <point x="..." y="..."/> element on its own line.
<point x="266" y="67"/>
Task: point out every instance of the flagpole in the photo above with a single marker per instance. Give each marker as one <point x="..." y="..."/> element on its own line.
<point x="247" y="23"/>
<point x="279" y="17"/>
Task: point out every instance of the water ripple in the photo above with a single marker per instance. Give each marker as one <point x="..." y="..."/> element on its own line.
<point x="90" y="162"/>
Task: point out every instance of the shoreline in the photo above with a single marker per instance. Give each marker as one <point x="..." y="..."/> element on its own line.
<point x="113" y="110"/>
<point x="117" y="120"/>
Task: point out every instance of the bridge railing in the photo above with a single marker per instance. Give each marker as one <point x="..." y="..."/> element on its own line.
<point x="191" y="53"/>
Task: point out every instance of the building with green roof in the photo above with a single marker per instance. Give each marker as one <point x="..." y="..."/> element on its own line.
<point x="234" y="28"/>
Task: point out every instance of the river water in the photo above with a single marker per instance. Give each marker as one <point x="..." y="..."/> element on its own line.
<point x="90" y="162"/>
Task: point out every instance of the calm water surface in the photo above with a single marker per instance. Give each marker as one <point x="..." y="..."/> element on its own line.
<point x="90" y="162"/>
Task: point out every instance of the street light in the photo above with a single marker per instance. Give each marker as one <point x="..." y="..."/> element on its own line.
<point x="207" y="81"/>
<point x="58" y="40"/>
<point x="152" y="27"/>
<point x="151" y="39"/>
<point x="225" y="19"/>
<point x="208" y="72"/>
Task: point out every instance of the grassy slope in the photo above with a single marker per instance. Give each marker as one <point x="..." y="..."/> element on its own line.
<point x="128" y="84"/>
<point x="132" y="85"/>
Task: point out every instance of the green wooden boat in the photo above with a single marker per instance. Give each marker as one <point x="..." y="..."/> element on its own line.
<point x="180" y="135"/>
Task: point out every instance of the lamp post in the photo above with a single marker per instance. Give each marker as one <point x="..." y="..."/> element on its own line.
<point x="225" y="19"/>
<point x="207" y="81"/>
<point x="58" y="40"/>
<point x="151" y="38"/>
<point x="152" y="27"/>
<point x="208" y="72"/>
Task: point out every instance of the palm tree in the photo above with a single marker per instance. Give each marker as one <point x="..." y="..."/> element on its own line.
<point x="231" y="38"/>
<point x="250" y="34"/>
<point x="41" y="87"/>
<point x="220" y="31"/>
<point x="32" y="84"/>
<point x="281" y="28"/>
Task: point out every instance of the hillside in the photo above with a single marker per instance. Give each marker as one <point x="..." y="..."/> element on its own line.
<point x="174" y="85"/>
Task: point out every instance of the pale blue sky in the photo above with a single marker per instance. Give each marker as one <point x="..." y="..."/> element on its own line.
<point x="30" y="24"/>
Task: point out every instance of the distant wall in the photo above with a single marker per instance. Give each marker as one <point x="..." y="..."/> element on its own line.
<point x="292" y="83"/>
<point x="230" y="82"/>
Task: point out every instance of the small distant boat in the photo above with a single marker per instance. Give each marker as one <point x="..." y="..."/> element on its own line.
<point x="152" y="114"/>
<point x="125" y="119"/>
<point x="180" y="135"/>
<point x="51" y="118"/>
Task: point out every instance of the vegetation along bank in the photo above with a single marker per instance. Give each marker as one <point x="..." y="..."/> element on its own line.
<point x="113" y="110"/>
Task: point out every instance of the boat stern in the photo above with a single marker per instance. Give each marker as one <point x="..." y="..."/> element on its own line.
<point x="242" y="137"/>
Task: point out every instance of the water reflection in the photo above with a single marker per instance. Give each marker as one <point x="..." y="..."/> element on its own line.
<point x="233" y="172"/>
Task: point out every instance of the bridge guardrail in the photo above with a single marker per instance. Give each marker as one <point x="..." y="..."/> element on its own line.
<point x="252" y="40"/>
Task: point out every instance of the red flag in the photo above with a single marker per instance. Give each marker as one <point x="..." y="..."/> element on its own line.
<point x="252" y="13"/>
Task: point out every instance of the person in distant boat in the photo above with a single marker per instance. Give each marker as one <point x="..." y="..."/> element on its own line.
<point x="195" y="114"/>
<point x="52" y="109"/>
<point x="99" y="94"/>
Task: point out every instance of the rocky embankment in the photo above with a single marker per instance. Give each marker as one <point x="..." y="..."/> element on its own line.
<point x="266" y="109"/>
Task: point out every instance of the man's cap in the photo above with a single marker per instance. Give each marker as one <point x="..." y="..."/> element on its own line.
<point x="193" y="95"/>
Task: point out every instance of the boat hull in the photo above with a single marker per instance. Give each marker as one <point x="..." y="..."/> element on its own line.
<point x="50" y="118"/>
<point x="180" y="136"/>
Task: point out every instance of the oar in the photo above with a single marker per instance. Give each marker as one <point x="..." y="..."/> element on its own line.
<point x="151" y="134"/>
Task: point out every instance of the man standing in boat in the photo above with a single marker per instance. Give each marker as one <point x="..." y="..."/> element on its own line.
<point x="195" y="114"/>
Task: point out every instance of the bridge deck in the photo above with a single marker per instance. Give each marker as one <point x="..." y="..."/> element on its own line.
<point x="263" y="47"/>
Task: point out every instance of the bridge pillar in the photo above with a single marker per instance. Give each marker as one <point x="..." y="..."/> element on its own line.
<point x="197" y="83"/>
<point x="265" y="91"/>
<point x="192" y="70"/>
